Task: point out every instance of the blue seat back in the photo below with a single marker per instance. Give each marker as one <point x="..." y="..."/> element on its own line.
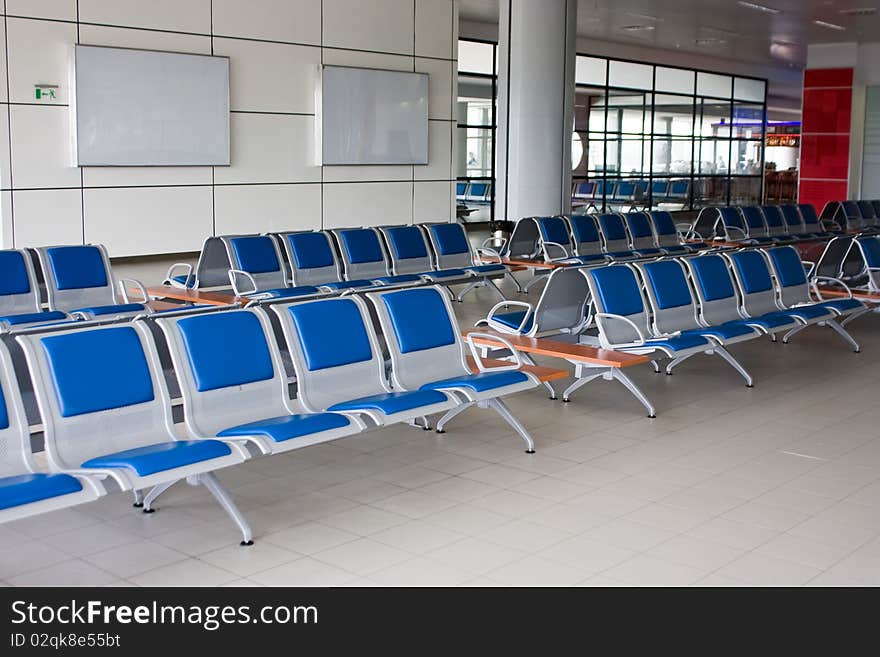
<point x="793" y="221"/>
<point x="460" y="189"/>
<point x="752" y="274"/>
<point x="478" y="192"/>
<point x="775" y="223"/>
<point x="311" y="257"/>
<point x="616" y="290"/>
<point x="679" y="188"/>
<point x="715" y="288"/>
<point x="664" y="228"/>
<point x="733" y="223"/>
<point x="362" y="253"/>
<point x="422" y="335"/>
<point x="672" y="301"/>
<point x="613" y="232"/>
<point x="869" y="215"/>
<point x="77" y="277"/>
<point x="229" y="371"/>
<point x="15" y="443"/>
<point x="659" y="189"/>
<point x="18" y="288"/>
<point x="555" y="231"/>
<point x="790" y="275"/>
<point x="870" y="248"/>
<point x="640" y="230"/>
<point x="408" y="249"/>
<point x="584" y="190"/>
<point x="754" y="220"/>
<point x="334" y="349"/>
<point x="450" y="244"/>
<point x="811" y="219"/>
<point x="585" y="234"/>
<point x="100" y="391"/>
<point x="259" y="256"/>
<point x="625" y="191"/>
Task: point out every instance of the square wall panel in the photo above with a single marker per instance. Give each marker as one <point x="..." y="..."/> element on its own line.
<point x="439" y="165"/>
<point x="434" y="28"/>
<point x="44" y="217"/>
<point x="5" y="167"/>
<point x="828" y="77"/>
<point x="41" y="147"/>
<point x="270" y="77"/>
<point x="825" y="157"/>
<point x="339" y="57"/>
<point x="294" y="21"/>
<point x="439" y="86"/>
<point x="60" y="10"/>
<point x="266" y="208"/>
<point x="174" y="15"/>
<point x="367" y="204"/>
<point x="827" y="110"/>
<point x="819" y="192"/>
<point x="145" y="176"/>
<point x="132" y="221"/>
<point x="433" y="201"/>
<point x="39" y="52"/>
<point x="271" y="148"/>
<point x="377" y="25"/>
<point x="3" y="89"/>
<point x="6" y="225"/>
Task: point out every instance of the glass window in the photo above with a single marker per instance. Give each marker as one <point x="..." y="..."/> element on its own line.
<point x="712" y="84"/>
<point x="675" y="80"/>
<point x="590" y="70"/>
<point x="628" y="74"/>
<point x="749" y="89"/>
<point x="476" y="57"/>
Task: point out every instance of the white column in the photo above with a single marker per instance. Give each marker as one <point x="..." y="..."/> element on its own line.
<point x="536" y="60"/>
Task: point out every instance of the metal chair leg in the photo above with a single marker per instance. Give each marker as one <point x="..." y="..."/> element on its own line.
<point x="735" y="364"/>
<point x="676" y="362"/>
<point x="451" y="413"/>
<point x="501" y="408"/>
<point x="843" y="333"/>
<point x="209" y="481"/>
<point x="792" y="332"/>
<point x="630" y="385"/>
<point x="154" y="493"/>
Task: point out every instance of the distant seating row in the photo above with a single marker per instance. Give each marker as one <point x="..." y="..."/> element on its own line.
<point x="852" y="215"/>
<point x="106" y="410"/>
<point x="628" y="192"/>
<point x="767" y="224"/>
<point x="294" y="264"/>
<point x="79" y="284"/>
<point x="674" y="308"/>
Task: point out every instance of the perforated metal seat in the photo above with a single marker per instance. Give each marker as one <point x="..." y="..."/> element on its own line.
<point x="19" y="292"/>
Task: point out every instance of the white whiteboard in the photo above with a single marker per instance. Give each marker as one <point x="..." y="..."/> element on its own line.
<point x="149" y="108"/>
<point x="371" y="116"/>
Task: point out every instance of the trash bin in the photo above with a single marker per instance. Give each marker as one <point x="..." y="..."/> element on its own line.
<point x="500" y="230"/>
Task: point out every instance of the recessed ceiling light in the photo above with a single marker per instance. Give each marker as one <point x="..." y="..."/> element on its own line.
<point x="757" y="7"/>
<point x="644" y="17"/>
<point x="780" y="42"/>
<point x="830" y="26"/>
<point x="710" y="42"/>
<point x="720" y="30"/>
<point x="638" y="28"/>
<point x="859" y="11"/>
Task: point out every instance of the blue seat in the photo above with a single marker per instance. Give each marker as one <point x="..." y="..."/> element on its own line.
<point x="19" y="292"/>
<point x="106" y="411"/>
<point x="112" y="310"/>
<point x="285" y="292"/>
<point x="445" y="273"/>
<point x="24" y="489"/>
<point x="427" y="355"/>
<point x="394" y="280"/>
<point x="554" y="238"/>
<point x="312" y="258"/>
<point x="347" y="285"/>
<point x="725" y="332"/>
<point x="514" y="320"/>
<point x="392" y="402"/>
<point x="641" y="234"/>
<point x="679" y="343"/>
<point x="409" y="254"/>
<point x="34" y="318"/>
<point x="362" y="252"/>
<point x="482" y="382"/>
<point x="586" y="238"/>
<point x="160" y="457"/>
<point x="488" y="269"/>
<point x="452" y="250"/>
<point x="288" y="427"/>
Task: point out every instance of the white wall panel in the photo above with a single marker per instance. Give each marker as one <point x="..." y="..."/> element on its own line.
<point x="39" y="52"/>
<point x="62" y="10"/>
<point x="378" y="25"/>
<point x="270" y="77"/>
<point x="367" y="204"/>
<point x="269" y="148"/>
<point x="47" y="216"/>
<point x="432" y="201"/>
<point x="4" y="96"/>
<point x="122" y="37"/>
<point x="6" y="223"/>
<point x="41" y="147"/>
<point x="263" y="208"/>
<point x="136" y="220"/>
<point x="177" y="15"/>
<point x="439" y="86"/>
<point x="295" y="21"/>
<point x="439" y="165"/>
<point x="434" y="28"/>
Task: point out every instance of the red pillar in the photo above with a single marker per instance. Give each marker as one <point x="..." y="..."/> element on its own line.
<point x="825" y="135"/>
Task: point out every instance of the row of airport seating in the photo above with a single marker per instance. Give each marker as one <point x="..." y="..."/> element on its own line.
<point x="306" y="263"/>
<point x="850" y="260"/>
<point x="766" y="224"/>
<point x="473" y="192"/>
<point x="675" y="307"/>
<point x="630" y="193"/>
<point x="852" y="215"/>
<point x="78" y="281"/>
<point x="105" y="402"/>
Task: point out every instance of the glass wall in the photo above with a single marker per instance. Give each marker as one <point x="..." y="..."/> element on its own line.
<point x="475" y="135"/>
<point x="654" y="136"/>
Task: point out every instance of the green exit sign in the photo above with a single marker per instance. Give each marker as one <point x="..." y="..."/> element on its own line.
<point x="45" y="91"/>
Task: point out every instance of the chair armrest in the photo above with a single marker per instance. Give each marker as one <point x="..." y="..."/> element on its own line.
<point x="518" y="363"/>
<point x="808" y="266"/>
<point x="521" y="304"/>
<point x="611" y="316"/>
<point x="555" y="245"/>
<point x="123" y="289"/>
<point x="235" y="275"/>
<point x="815" y="286"/>
<point x="170" y="274"/>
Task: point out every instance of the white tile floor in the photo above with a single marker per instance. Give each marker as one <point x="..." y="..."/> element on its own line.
<point x="777" y="485"/>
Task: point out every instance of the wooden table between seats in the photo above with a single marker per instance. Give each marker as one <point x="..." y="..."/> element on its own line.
<point x="565" y="350"/>
<point x="520" y="263"/>
<point x="861" y="295"/>
<point x="195" y="297"/>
